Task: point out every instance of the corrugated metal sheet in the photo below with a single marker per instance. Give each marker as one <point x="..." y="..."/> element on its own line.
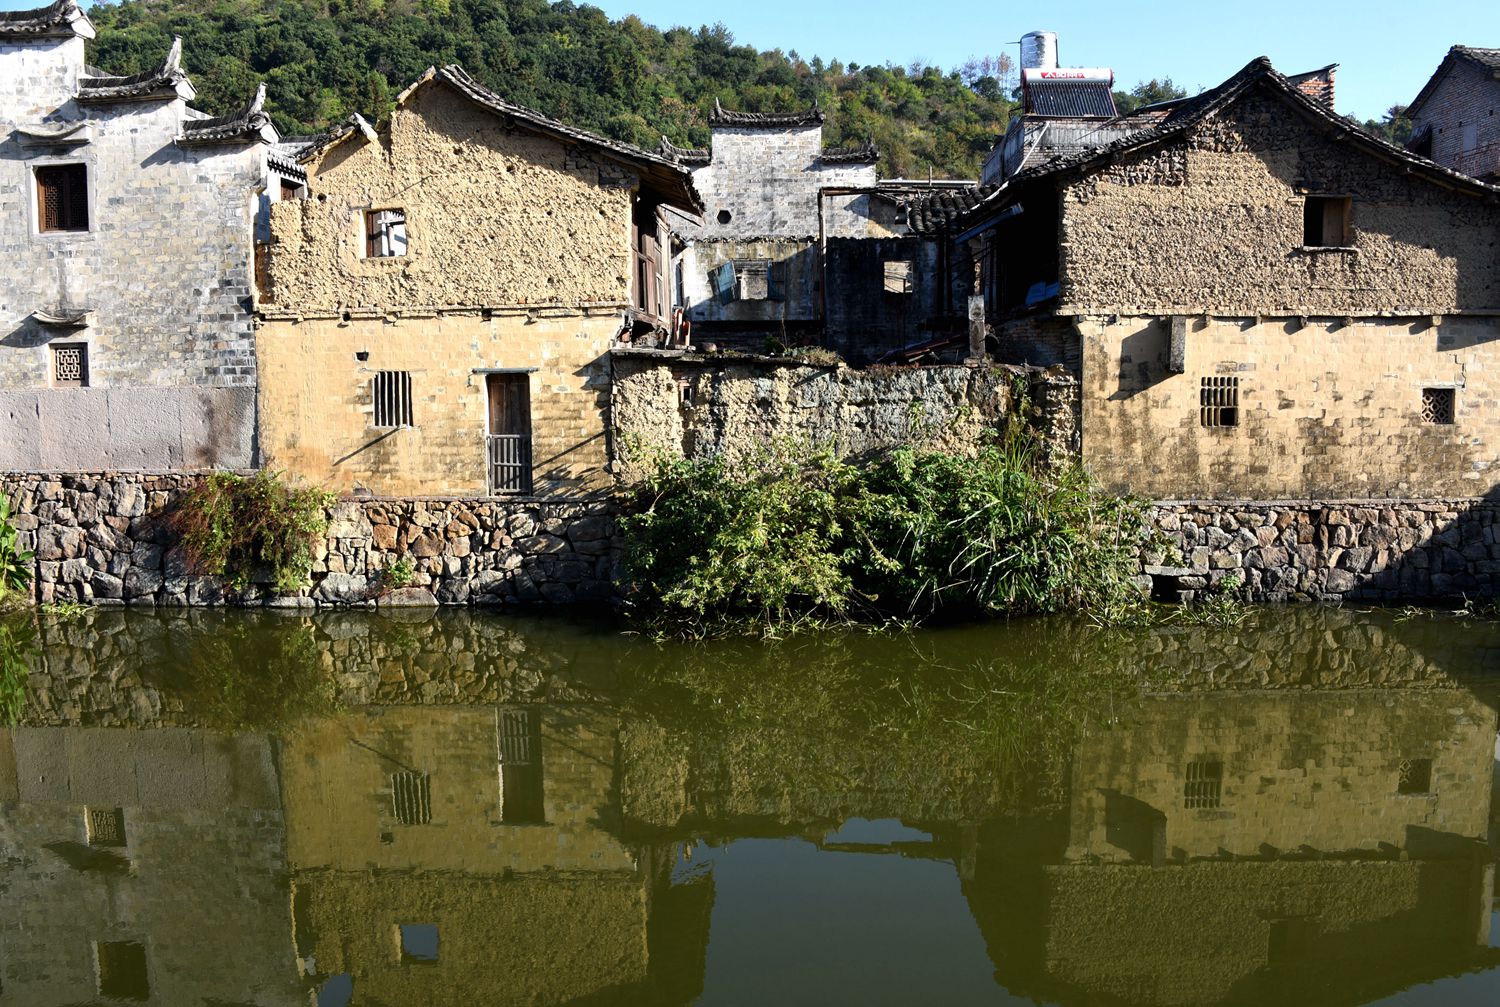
<point x="1071" y="100"/>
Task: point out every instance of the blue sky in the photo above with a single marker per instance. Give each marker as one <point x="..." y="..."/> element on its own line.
<point x="1386" y="50"/>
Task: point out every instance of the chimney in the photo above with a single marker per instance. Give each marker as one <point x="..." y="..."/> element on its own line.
<point x="1317" y="84"/>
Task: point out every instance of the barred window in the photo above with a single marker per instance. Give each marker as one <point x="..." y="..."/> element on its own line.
<point x="411" y="797"/>
<point x="62" y="197"/>
<point x="391" y="391"/>
<point x="1203" y="786"/>
<point x="1219" y="402"/>
<point x="1437" y="405"/>
<point x="106" y="826"/>
<point x="70" y="365"/>
<point x="385" y="233"/>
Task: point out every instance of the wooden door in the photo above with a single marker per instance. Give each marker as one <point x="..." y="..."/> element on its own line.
<point x="509" y="434"/>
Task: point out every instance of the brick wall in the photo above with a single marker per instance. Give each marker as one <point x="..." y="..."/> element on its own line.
<point x="1467" y="95"/>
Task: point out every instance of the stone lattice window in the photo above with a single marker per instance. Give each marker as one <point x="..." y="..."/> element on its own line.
<point x="1219" y="402"/>
<point x="70" y="365"/>
<point x="1204" y="784"/>
<point x="385" y="233"/>
<point x="62" y="197"/>
<point x="1414" y="776"/>
<point x="411" y="797"/>
<point x="122" y="970"/>
<point x="391" y="391"/>
<point x="1437" y="405"/>
<point x="106" y="826"/>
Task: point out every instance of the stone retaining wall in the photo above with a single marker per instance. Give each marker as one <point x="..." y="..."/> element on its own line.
<point x="1360" y="550"/>
<point x="106" y="539"/>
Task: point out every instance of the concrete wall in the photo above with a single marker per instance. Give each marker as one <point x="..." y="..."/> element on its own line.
<point x="107" y="539"/>
<point x="1467" y="95"/>
<point x="741" y="409"/>
<point x="201" y="881"/>
<point x="166" y="268"/>
<point x="1326" y="408"/>
<point x="317" y="408"/>
<point x="1356" y="550"/>
<point x="1213" y="224"/>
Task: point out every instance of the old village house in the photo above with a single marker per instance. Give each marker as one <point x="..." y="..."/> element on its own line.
<point x="1260" y="300"/>
<point x="437" y="319"/>
<point x="126" y="258"/>
<point x="1453" y="117"/>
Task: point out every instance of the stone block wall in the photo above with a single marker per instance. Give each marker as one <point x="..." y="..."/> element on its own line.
<point x="1371" y="550"/>
<point x="107" y="539"/>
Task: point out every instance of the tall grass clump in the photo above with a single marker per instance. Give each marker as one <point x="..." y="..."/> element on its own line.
<point x="245" y="527"/>
<point x="920" y="533"/>
<point x="15" y="562"/>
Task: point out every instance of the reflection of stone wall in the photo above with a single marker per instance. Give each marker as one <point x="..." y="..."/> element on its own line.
<point x="106" y="538"/>
<point x="200" y="881"/>
<point x="1379" y="550"/>
<point x="1298" y="768"/>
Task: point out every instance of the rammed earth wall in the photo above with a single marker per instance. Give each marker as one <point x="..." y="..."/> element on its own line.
<point x="1360" y="550"/>
<point x="107" y="539"/>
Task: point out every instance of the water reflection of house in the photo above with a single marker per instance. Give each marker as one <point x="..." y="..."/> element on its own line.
<point x="1243" y="845"/>
<point x="449" y="855"/>
<point x="141" y="865"/>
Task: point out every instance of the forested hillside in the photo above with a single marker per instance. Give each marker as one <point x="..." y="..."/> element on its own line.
<point x="323" y="59"/>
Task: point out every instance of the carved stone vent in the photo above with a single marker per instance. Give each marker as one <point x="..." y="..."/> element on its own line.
<point x="70" y="365"/>
<point x="1414" y="776"/>
<point x="106" y="826"/>
<point x="411" y="797"/>
<point x="1437" y="405"/>
<point x="1219" y="402"/>
<point x="1204" y="785"/>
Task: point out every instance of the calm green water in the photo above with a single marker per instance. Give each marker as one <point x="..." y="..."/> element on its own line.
<point x="235" y="808"/>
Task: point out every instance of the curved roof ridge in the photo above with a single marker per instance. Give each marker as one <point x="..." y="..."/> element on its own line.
<point x="168" y="80"/>
<point x="59" y="19"/>
<point x="722" y="116"/>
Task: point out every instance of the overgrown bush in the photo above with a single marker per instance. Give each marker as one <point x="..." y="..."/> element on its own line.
<point x="242" y="528"/>
<point x="916" y="534"/>
<point x="15" y="562"/>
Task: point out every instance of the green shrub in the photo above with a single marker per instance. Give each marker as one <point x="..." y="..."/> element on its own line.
<point x="238" y="528"/>
<point x="400" y="573"/>
<point x="15" y="562"/>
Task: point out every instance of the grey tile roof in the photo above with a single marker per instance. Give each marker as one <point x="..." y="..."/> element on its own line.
<point x="722" y="116"/>
<point x="930" y="212"/>
<point x="694" y="156"/>
<point x="1486" y="59"/>
<point x="166" y="81"/>
<point x="248" y="125"/>
<point x="1071" y="99"/>
<point x="61" y="19"/>
<point x="865" y="153"/>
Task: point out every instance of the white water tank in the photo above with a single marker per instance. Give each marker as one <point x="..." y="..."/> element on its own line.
<point x="1039" y="50"/>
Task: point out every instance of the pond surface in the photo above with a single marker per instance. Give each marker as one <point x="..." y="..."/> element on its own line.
<point x="467" y="808"/>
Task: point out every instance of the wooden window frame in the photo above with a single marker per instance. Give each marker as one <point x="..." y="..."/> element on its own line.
<point x="374" y="232"/>
<point x="1323" y="211"/>
<point x="67" y="200"/>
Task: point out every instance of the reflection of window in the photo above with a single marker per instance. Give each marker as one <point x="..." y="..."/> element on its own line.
<point x="106" y="826"/>
<point x="1437" y="405"/>
<point x="385" y="233"/>
<point x="1286" y="941"/>
<point x="70" y="365"/>
<point x="1219" y="402"/>
<point x="1202" y="789"/>
<point x="62" y="197"/>
<point x="411" y="797"/>
<point x="1325" y="221"/>
<point x="419" y="942"/>
<point x="392" y="393"/>
<point x="521" y="768"/>
<point x="1414" y="776"/>
<point x="122" y="970"/>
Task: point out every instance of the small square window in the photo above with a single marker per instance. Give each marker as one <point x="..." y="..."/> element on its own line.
<point x="391" y="391"/>
<point x="106" y="826"/>
<point x="1325" y="221"/>
<point x="1414" y="776"/>
<point x="419" y="942"/>
<point x="122" y="970"/>
<point x="411" y="797"/>
<point x="752" y="280"/>
<point x="897" y="277"/>
<point x="1437" y="405"/>
<point x="62" y="197"/>
<point x="1219" y="402"/>
<point x="385" y="233"/>
<point x="70" y="365"/>
<point x="1203" y="786"/>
